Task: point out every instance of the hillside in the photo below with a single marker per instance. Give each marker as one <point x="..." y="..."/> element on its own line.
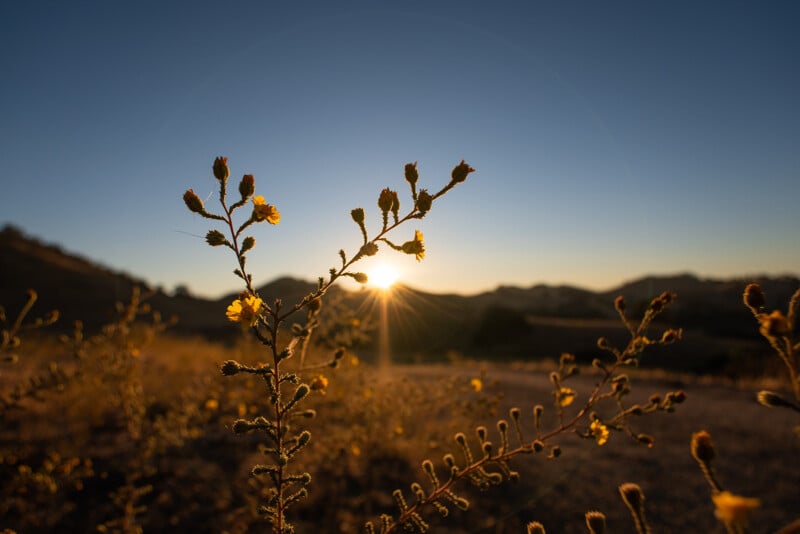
<point x="507" y="323"/>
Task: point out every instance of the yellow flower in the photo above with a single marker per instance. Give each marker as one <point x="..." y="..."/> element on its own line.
<point x="211" y="405"/>
<point x="265" y="212"/>
<point x="476" y="385"/>
<point x="599" y="431"/>
<point x="732" y="509"/>
<point x="416" y="247"/>
<point x="566" y="396"/>
<point x="244" y="310"/>
<point x="319" y="383"/>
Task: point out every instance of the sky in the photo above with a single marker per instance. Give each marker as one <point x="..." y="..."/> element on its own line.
<point x="611" y="140"/>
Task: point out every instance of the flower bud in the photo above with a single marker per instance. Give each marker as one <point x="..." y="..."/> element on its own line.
<point x="230" y="368"/>
<point x="361" y="278"/>
<point x="775" y="325"/>
<point x="358" y="215"/>
<point x="247" y="186"/>
<point x="386" y="200"/>
<point x="460" y="172"/>
<point x="596" y="522"/>
<point x="411" y="173"/>
<point x="370" y="249"/>
<point x="424" y="201"/>
<point x="753" y="297"/>
<point x="315" y="305"/>
<point x="772" y="400"/>
<point x="193" y="202"/>
<point x="702" y="447"/>
<point x="619" y="304"/>
<point x="248" y="243"/>
<point x="221" y="170"/>
<point x="215" y="238"/>
<point x="671" y="336"/>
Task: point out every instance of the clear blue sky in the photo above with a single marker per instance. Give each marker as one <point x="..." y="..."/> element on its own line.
<point x="611" y="139"/>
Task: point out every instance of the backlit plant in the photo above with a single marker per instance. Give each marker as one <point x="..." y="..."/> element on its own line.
<point x="285" y="390"/>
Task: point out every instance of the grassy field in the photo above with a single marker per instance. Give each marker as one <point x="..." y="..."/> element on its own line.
<point x="161" y="420"/>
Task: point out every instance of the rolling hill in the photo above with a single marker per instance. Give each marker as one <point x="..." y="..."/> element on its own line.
<point x="509" y="322"/>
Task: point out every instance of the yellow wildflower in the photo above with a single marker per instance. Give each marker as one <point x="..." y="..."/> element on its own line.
<point x="355" y="450"/>
<point x="244" y="310"/>
<point x="416" y="247"/>
<point x="599" y="431"/>
<point x="265" y="212"/>
<point x="319" y="383"/>
<point x="476" y="385"/>
<point x="732" y="509"/>
<point x="211" y="405"/>
<point x="566" y="396"/>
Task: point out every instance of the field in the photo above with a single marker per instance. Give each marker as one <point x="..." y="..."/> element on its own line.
<point x="67" y="456"/>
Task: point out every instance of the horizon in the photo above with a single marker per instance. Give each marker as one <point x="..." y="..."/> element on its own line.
<point x="609" y="141"/>
<point x="355" y="287"/>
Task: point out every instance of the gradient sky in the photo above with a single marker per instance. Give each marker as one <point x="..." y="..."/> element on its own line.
<point x="611" y="139"/>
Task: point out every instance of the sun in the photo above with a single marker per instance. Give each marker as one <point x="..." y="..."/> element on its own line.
<point x="383" y="276"/>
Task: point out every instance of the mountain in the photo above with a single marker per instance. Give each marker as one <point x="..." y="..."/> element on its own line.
<point x="509" y="322"/>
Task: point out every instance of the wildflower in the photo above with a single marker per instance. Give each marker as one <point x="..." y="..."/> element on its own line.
<point x="732" y="509"/>
<point x="355" y="450"/>
<point x="565" y="396"/>
<point x="476" y="385"/>
<point x="265" y="212"/>
<point x="599" y="431"/>
<point x="775" y="325"/>
<point x="416" y="247"/>
<point x="245" y="310"/>
<point x="319" y="383"/>
<point x="211" y="405"/>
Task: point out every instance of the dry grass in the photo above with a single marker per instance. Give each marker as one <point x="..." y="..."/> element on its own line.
<point x="369" y="438"/>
